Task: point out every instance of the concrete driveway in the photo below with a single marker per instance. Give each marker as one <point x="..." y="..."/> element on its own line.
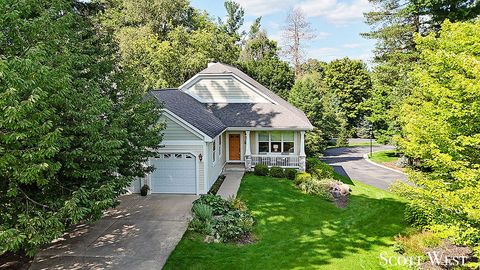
<point x="139" y="234"/>
<point x="349" y="161"/>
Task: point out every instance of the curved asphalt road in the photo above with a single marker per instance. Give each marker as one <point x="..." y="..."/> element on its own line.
<point x="349" y="161"/>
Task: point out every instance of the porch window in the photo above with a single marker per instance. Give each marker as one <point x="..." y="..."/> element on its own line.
<point x="263" y="142"/>
<point x="276" y="142"/>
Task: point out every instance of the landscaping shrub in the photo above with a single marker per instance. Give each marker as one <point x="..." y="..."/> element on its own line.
<point x="144" y="190"/>
<point x="277" y="172"/>
<point x="319" y="169"/>
<point x="261" y="170"/>
<point x="203" y="211"/>
<point x="237" y="204"/>
<point x="316" y="187"/>
<point x="417" y="243"/>
<point x="202" y="221"/>
<point x="290" y="173"/>
<point x="302" y="177"/>
<point x="233" y="226"/>
<point x="311" y="163"/>
<point x="231" y="221"/>
<point x="219" y="206"/>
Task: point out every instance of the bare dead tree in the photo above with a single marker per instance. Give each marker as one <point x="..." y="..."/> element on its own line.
<point x="296" y="31"/>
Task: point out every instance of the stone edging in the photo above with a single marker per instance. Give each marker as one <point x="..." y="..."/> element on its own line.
<point x="380" y="165"/>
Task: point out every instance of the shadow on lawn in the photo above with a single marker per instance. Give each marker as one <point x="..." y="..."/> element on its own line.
<point x="304" y="231"/>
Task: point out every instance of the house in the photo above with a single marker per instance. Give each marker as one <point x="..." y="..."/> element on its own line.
<point x="222" y="116"/>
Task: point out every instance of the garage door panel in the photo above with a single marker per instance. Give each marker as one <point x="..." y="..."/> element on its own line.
<point x="174" y="173"/>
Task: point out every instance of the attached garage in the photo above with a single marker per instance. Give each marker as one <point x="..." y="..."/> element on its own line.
<point x="174" y="173"/>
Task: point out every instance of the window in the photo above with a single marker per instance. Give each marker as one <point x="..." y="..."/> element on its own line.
<point x="263" y="142"/>
<point x="288" y="142"/>
<point x="220" y="145"/>
<point x="214" y="150"/>
<point x="276" y="142"/>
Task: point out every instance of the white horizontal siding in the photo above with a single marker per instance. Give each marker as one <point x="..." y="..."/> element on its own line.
<point x="224" y="89"/>
<point x="174" y="131"/>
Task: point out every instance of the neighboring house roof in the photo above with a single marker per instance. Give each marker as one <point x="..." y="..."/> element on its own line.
<point x="190" y="110"/>
<point x="212" y="119"/>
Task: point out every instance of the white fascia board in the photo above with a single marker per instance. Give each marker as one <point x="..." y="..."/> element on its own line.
<point x="197" y="77"/>
<point x="264" y="128"/>
<point x="186" y="125"/>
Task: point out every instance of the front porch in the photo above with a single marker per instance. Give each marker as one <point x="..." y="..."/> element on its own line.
<point x="282" y="148"/>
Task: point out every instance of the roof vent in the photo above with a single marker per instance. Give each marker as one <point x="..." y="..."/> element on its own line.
<point x="211" y="64"/>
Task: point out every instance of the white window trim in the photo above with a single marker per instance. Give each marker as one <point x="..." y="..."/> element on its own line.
<point x="270" y="143"/>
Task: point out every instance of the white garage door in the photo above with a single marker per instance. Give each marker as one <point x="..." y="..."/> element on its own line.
<point x="174" y="173"/>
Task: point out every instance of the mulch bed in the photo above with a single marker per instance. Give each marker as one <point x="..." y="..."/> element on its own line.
<point x="17" y="261"/>
<point x="449" y="250"/>
<point x="216" y="186"/>
<point x="393" y="166"/>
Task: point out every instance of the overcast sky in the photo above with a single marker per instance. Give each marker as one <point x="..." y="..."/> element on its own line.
<point x="336" y="23"/>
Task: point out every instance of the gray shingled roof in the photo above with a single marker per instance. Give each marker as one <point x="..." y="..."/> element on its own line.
<point x="190" y="110"/>
<point x="212" y="119"/>
<point x="219" y="68"/>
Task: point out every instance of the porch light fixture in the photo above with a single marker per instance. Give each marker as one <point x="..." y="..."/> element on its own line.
<point x="200" y="157"/>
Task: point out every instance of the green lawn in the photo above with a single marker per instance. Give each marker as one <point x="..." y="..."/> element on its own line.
<point x="299" y="231"/>
<point x="384" y="156"/>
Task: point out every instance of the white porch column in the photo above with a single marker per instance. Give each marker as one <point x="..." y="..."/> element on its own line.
<point x="248" y="152"/>
<point x="302" y="158"/>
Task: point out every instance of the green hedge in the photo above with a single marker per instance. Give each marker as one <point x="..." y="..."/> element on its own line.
<point x="261" y="170"/>
<point x="277" y="172"/>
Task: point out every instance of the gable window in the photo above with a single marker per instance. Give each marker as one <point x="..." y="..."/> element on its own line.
<point x="214" y="150"/>
<point x="276" y="142"/>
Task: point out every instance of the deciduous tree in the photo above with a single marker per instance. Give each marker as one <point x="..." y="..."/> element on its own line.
<point x="75" y="128"/>
<point x="296" y="31"/>
<point x="440" y="129"/>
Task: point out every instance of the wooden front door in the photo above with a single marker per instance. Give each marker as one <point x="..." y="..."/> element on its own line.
<point x="234" y="147"/>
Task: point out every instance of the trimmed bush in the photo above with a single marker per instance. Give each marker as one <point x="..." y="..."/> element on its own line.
<point x="277" y="172"/>
<point x="290" y="173"/>
<point x="261" y="170"/>
<point x="302" y="177"/>
<point x="219" y="206"/>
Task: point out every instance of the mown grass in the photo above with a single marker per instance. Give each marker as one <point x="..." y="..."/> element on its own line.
<point x="384" y="156"/>
<point x="300" y="231"/>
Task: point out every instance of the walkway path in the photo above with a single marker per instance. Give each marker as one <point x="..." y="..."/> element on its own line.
<point x="349" y="161"/>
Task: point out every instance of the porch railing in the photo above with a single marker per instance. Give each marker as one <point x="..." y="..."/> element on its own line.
<point x="285" y="161"/>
